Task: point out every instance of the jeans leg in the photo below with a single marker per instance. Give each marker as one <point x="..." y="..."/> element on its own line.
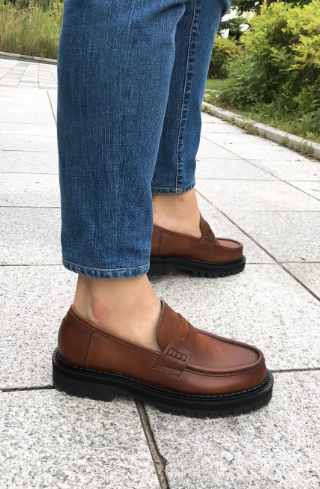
<point x="114" y="66"/>
<point x="176" y="160"/>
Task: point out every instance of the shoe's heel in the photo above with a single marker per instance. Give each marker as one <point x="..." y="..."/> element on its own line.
<point x="73" y="382"/>
<point x="158" y="266"/>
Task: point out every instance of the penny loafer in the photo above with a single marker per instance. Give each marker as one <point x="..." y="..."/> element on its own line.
<point x="206" y="256"/>
<point x="196" y="373"/>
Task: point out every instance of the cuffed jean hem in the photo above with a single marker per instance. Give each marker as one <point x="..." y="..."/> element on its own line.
<point x="105" y="273"/>
<point x="172" y="190"/>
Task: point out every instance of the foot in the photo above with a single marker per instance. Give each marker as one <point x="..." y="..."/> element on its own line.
<point x="178" y="212"/>
<point x="182" y="239"/>
<point x="205" y="256"/>
<point x="195" y="373"/>
<point x="126" y="307"/>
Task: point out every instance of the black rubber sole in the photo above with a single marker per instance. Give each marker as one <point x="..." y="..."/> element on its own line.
<point x="164" y="265"/>
<point x="105" y="386"/>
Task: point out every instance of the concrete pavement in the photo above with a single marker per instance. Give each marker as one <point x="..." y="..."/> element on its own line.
<point x="250" y="189"/>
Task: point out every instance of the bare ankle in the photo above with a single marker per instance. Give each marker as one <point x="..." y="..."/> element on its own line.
<point x="177" y="212"/>
<point x="127" y="307"/>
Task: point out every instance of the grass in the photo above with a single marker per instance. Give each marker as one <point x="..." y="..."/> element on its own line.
<point x="263" y="113"/>
<point x="32" y="31"/>
<point x="215" y="84"/>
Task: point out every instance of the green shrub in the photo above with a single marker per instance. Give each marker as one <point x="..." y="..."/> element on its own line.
<point x="281" y="64"/>
<point x="224" y="51"/>
<point x="32" y="31"/>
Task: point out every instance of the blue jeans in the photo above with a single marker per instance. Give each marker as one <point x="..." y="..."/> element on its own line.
<point x="131" y="80"/>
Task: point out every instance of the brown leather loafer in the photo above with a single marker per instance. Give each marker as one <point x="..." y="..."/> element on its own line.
<point x="195" y="374"/>
<point x="207" y="256"/>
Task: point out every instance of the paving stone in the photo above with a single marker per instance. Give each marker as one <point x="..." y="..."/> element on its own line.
<point x="308" y="274"/>
<point x="53" y="98"/>
<point x="310" y="188"/>
<point x="21" y="96"/>
<point x="26" y="117"/>
<point x="31" y="105"/>
<point x="230" y="170"/>
<point x="288" y="236"/>
<point x="46" y="86"/>
<point x="256" y="152"/>
<point x="203" y="203"/>
<point x="29" y="85"/>
<point x="222" y="227"/>
<point x="222" y="128"/>
<point x="29" y="236"/>
<point x="210" y="118"/>
<point x="211" y="150"/>
<point x="34" y="190"/>
<point x="29" y="162"/>
<point x="22" y="142"/>
<point x="13" y="75"/>
<point x="33" y="302"/>
<point x="242" y="139"/>
<point x="263" y="306"/>
<point x="14" y="128"/>
<point x="277" y="446"/>
<point x="28" y="78"/>
<point x="9" y="83"/>
<point x="243" y="195"/>
<point x="296" y="169"/>
<point x="52" y="440"/>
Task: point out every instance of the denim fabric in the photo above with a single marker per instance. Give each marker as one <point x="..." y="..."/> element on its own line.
<point x="131" y="81"/>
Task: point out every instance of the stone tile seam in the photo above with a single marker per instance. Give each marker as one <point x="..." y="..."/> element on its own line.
<point x="268" y="132"/>
<point x="52" y="110"/>
<point x="203" y="210"/>
<point x="262" y="169"/>
<point x="280" y="264"/>
<point x="299" y="281"/>
<point x="58" y="264"/>
<point x="30" y="151"/>
<point x="27" y="59"/>
<point x="158" y="460"/>
<point x="25" y="173"/>
<point x="286" y="181"/>
<point x="30" y="206"/>
<point x="139" y="403"/>
<point x="241" y="158"/>
<point x="290" y="183"/>
<point x="304" y="191"/>
<point x="235" y="179"/>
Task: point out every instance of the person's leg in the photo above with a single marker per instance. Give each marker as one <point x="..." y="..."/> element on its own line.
<point x="182" y="239"/>
<point x="174" y="200"/>
<point x="114" y="66"/>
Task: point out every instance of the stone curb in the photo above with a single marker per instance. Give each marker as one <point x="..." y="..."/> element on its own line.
<point x="291" y="141"/>
<point x="23" y="57"/>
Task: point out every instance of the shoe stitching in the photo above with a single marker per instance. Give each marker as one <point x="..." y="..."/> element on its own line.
<point x="193" y="238"/>
<point x="199" y="261"/>
<point x="153" y="387"/>
<point x="87" y="349"/>
<point x="191" y="369"/>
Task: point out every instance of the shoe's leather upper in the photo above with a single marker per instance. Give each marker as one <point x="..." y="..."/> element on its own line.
<point x="207" y="248"/>
<point x="191" y="361"/>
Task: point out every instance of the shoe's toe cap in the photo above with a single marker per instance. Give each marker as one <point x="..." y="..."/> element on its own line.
<point x="228" y="249"/>
<point x="232" y="366"/>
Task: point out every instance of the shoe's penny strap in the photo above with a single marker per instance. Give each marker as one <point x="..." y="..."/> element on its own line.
<point x="208" y="238"/>
<point x="176" y="356"/>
